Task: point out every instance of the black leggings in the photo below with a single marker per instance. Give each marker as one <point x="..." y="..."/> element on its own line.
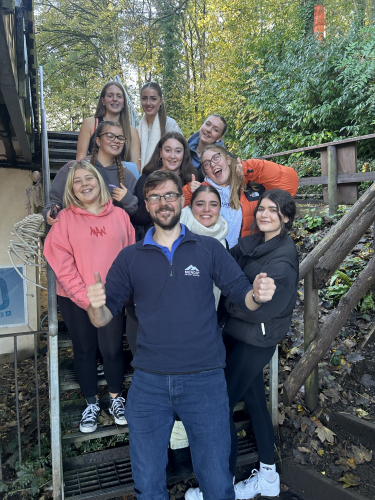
<point x="244" y="375"/>
<point x="86" y="338"/>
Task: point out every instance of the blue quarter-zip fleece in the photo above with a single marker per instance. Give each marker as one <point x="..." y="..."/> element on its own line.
<point x="175" y="305"/>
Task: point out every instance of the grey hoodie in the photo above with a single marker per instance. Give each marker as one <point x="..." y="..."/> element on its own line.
<point x="129" y="202"/>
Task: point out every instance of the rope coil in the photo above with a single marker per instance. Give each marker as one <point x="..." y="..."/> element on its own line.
<point x="29" y="232"/>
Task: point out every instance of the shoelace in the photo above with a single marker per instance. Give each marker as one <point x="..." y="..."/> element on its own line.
<point x="90" y="412"/>
<point x="117" y="404"/>
<point x="254" y="474"/>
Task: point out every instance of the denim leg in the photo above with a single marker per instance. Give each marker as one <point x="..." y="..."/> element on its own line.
<point x="201" y="401"/>
<point x="150" y="418"/>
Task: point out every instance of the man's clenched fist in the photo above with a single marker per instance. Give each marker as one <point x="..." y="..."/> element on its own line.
<point x="96" y="292"/>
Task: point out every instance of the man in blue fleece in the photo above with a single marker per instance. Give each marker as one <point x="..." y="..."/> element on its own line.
<point x="178" y="365"/>
<point x="211" y="132"/>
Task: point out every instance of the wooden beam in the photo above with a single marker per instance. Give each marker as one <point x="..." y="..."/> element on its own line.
<point x="319" y="146"/>
<point x="341" y="179"/>
<point x="327" y="333"/>
<point x="343" y="245"/>
<point x="311" y="328"/>
<point x="332" y="180"/>
<point x="312" y="259"/>
<point x="9" y="86"/>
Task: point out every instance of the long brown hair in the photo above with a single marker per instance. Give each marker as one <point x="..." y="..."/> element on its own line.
<point x="235" y="177"/>
<point x="123" y="118"/>
<point x="99" y="131"/>
<point x="186" y="168"/>
<point x="162" y="112"/>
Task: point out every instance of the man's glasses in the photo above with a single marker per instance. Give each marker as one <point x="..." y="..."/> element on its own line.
<point x="214" y="160"/>
<point x="111" y="137"/>
<point x="153" y="199"/>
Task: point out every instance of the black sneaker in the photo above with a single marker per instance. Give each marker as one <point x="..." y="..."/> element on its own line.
<point x="117" y="409"/>
<point x="89" y="421"/>
<point x="99" y="367"/>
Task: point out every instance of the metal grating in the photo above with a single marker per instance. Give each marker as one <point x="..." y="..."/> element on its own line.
<point x="92" y="481"/>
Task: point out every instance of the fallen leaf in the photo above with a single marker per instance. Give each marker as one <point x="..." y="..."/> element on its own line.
<point x="303" y="449"/>
<point x="349" y="480"/>
<point x="361" y="455"/>
<point x="367" y="380"/>
<point x="315" y="444"/>
<point x="354" y="357"/>
<point x="104" y="419"/>
<point x="317" y="422"/>
<point x="241" y="434"/>
<point x="320" y="452"/>
<point x="299" y="457"/>
<point x="347" y="463"/>
<point x="325" y="434"/>
<point x="361" y="413"/>
<point x="336" y="469"/>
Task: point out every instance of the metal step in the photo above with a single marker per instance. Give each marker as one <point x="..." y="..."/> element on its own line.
<point x="71" y="414"/>
<point x="105" y="478"/>
<point x="56" y="143"/>
<point x="73" y="136"/>
<point x="68" y="380"/>
<point x="62" y="153"/>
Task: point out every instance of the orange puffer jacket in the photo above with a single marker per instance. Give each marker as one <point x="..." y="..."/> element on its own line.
<point x="268" y="175"/>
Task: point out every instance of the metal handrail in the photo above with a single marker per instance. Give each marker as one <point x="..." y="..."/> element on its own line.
<point x="53" y="357"/>
<point x="134" y="115"/>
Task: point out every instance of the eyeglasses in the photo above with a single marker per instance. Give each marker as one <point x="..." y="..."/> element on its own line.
<point x="111" y="137"/>
<point x="208" y="163"/>
<point x="155" y="198"/>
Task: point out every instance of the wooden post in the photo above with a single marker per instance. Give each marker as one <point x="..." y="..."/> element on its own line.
<point x="332" y="180"/>
<point x="311" y="327"/>
<point x="274" y="388"/>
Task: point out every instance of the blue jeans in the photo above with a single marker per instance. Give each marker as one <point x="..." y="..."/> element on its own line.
<point x="201" y="402"/>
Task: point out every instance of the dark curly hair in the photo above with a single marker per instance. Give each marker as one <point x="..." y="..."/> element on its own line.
<point x="285" y="207"/>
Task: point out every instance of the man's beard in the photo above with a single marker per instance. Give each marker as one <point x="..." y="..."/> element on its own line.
<point x="167" y="225"/>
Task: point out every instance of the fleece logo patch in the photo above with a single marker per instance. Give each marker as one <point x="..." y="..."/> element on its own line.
<point x="191" y="271"/>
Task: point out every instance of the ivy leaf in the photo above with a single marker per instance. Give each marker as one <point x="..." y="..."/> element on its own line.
<point x="325" y="434"/>
<point x="349" y="480"/>
<point x="3" y="487"/>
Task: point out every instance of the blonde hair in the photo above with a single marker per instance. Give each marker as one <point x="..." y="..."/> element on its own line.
<point x="235" y="179"/>
<point x="69" y="196"/>
<point x="123" y="118"/>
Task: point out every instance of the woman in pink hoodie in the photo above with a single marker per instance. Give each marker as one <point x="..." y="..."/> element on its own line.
<point x="89" y="236"/>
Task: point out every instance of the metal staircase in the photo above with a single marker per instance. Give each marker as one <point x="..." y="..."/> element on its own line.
<point x="102" y="474"/>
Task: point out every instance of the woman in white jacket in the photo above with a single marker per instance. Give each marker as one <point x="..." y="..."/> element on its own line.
<point x="201" y="217"/>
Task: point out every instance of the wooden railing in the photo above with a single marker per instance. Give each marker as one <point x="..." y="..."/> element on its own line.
<point x="316" y="269"/>
<point x="339" y="170"/>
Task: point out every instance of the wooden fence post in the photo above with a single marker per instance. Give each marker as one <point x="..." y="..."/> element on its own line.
<point x="311" y="327"/>
<point x="332" y="180"/>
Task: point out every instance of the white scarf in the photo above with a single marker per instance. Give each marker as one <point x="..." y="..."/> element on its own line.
<point x="233" y="217"/>
<point x="150" y="140"/>
<point x="218" y="231"/>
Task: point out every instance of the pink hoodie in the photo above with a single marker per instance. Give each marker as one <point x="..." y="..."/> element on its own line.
<point x="81" y="243"/>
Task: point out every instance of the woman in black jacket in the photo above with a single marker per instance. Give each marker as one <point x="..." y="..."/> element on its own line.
<point x="251" y="337"/>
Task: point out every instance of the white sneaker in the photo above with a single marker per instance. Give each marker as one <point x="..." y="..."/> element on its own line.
<point x="196" y="494"/>
<point x="193" y="494"/>
<point x="117" y="409"/>
<point x="255" y="485"/>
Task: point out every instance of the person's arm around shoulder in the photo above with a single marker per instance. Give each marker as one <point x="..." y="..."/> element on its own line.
<point x="271" y="175"/>
<point x="98" y="312"/>
<point x="56" y="193"/>
<point x="87" y="129"/>
<point x="135" y="152"/>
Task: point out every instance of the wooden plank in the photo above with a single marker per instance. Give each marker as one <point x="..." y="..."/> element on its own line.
<point x="341" y="179"/>
<point x="332" y="180"/>
<point x="319" y="146"/>
<point x="346" y="164"/>
<point x="311" y="328"/>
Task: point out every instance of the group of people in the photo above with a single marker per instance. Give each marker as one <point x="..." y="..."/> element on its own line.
<point x="192" y="245"/>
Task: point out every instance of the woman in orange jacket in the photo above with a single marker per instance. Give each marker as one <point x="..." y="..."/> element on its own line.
<point x="240" y="184"/>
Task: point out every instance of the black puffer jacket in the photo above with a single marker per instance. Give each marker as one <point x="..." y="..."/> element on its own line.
<point x="279" y="259"/>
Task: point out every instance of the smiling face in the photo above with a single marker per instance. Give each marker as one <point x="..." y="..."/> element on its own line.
<point x="113" y="99"/>
<point x="86" y="188"/>
<point x="211" y="131"/>
<point x="268" y="219"/>
<point x="151" y="102"/>
<point x="165" y="214"/>
<point x="206" y="208"/>
<point x="216" y="166"/>
<point x="171" y="154"/>
<point x="108" y="147"/>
